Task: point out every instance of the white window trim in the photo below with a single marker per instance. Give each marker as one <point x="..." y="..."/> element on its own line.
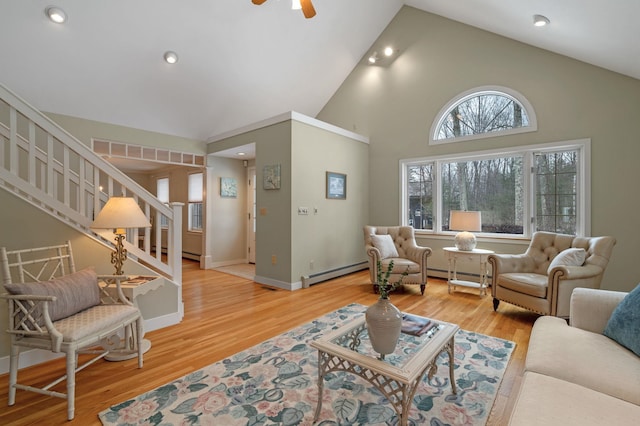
<point x="199" y="199"/>
<point x="583" y="223"/>
<point x="531" y="114"/>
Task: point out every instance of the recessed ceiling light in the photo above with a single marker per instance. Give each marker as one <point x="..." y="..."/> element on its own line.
<point x="171" y="57"/>
<point x="388" y="51"/>
<point x="241" y="154"/>
<point x="540" y="20"/>
<point x="56" y="14"/>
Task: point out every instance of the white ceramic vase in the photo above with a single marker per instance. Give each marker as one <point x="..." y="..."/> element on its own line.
<point x="384" y="322"/>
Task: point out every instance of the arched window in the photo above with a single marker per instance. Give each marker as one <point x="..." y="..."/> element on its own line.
<point x="481" y="113"/>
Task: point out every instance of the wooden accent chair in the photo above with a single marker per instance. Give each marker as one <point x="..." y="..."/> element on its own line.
<point x="397" y="244"/>
<point x="55" y="308"/>
<point x="543" y="278"/>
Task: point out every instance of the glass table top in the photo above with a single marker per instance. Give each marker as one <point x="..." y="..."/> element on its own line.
<point x="412" y="353"/>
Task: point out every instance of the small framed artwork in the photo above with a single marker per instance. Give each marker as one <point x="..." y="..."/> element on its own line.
<point x="228" y="187"/>
<point x="271" y="177"/>
<point x="336" y="186"/>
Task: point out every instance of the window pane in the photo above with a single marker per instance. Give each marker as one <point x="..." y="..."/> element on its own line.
<point x="162" y="190"/>
<point x="493" y="186"/>
<point x="420" y="190"/>
<point x="195" y="216"/>
<point x="482" y="113"/>
<point x="556" y="191"/>
<point x="195" y="187"/>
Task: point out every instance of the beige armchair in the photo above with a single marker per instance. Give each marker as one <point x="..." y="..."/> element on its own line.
<point x="397" y="243"/>
<point x="527" y="280"/>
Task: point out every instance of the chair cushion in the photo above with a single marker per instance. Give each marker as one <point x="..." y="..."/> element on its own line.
<point x="568" y="257"/>
<point x="74" y="292"/>
<point x="401" y="265"/>
<point x="624" y="324"/>
<point x="384" y="243"/>
<point x="526" y="283"/>
<point x="97" y="319"/>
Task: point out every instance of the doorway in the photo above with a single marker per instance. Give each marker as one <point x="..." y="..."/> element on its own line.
<point x="251" y="215"/>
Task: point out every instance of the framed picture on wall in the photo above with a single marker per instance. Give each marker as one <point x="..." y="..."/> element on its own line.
<point x="228" y="187"/>
<point x="336" y="186"/>
<point x="271" y="177"/>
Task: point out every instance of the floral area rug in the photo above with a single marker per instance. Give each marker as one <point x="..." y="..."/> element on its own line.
<point x="275" y="383"/>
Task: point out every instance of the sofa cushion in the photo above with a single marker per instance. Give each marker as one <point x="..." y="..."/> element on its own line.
<point x="546" y="401"/>
<point x="384" y="243"/>
<point x="588" y="359"/>
<point x="624" y="324"/>
<point x="74" y="292"/>
<point x="568" y="257"/>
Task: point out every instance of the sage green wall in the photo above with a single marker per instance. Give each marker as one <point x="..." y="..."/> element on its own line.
<point x="273" y="227"/>
<point x="86" y="130"/>
<point x="332" y="237"/>
<point x="439" y="59"/>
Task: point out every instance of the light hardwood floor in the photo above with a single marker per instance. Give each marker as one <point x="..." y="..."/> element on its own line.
<point x="225" y="314"/>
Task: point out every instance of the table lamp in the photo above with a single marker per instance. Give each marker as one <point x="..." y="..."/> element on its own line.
<point x="119" y="214"/>
<point x="466" y="222"/>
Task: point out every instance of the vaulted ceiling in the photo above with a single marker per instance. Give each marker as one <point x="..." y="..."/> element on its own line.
<point x="240" y="63"/>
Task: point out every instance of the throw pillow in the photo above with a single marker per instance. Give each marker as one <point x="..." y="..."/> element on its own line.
<point x="384" y="243"/>
<point x="568" y="257"/>
<point x="74" y="292"/>
<point x="624" y="324"/>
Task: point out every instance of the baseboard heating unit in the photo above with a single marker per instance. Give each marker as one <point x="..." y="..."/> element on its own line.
<point x="308" y="280"/>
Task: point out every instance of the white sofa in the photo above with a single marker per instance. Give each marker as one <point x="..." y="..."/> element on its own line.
<point x="575" y="375"/>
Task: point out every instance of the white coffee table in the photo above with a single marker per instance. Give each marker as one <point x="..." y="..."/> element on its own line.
<point x="397" y="377"/>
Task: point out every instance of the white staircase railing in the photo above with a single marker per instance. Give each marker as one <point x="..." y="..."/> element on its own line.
<point x="52" y="170"/>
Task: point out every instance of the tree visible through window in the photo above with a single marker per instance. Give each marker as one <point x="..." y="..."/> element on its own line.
<point x="556" y="191"/>
<point x="482" y="113"/>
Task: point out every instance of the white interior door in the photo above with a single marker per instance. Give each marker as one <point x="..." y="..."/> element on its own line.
<point x="251" y="215"/>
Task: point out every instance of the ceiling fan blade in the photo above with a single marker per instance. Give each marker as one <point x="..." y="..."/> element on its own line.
<point x="258" y="2"/>
<point x="307" y="9"/>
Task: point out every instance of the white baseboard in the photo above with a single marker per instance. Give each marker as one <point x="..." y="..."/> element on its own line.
<point x="212" y="265"/>
<point x="29" y="358"/>
<point x="38" y="356"/>
<point x="275" y="283"/>
<point x="162" y="321"/>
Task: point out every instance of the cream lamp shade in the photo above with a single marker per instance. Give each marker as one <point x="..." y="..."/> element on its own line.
<point x="118" y="214"/>
<point x="466" y="222"/>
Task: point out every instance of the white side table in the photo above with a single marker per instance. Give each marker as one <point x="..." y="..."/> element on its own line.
<point x="132" y="287"/>
<point x="477" y="255"/>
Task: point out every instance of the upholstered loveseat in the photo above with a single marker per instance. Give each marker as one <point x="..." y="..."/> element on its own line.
<point x="575" y="374"/>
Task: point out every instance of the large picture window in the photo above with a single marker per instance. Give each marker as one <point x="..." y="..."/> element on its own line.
<point x="519" y="191"/>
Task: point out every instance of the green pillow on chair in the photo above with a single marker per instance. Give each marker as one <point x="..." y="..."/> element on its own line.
<point x="624" y="324"/>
